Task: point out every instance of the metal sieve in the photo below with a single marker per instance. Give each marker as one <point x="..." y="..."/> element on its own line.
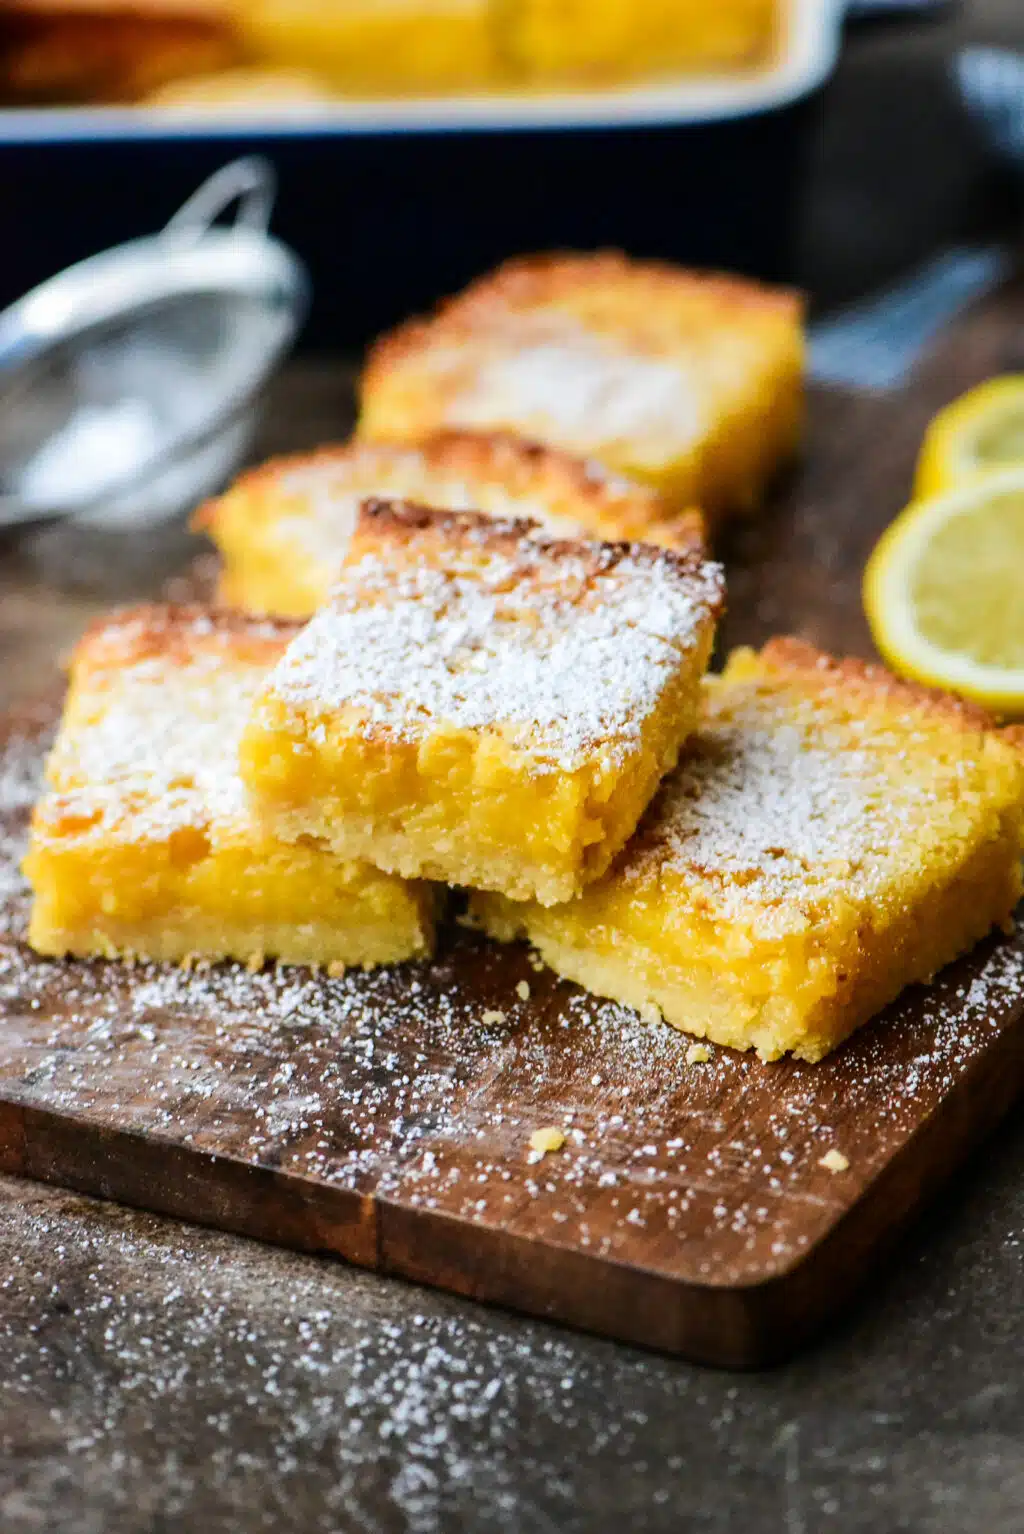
<point x="129" y="384"/>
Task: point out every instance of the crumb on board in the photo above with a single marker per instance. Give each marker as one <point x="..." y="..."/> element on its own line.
<point x="697" y="1054"/>
<point x="336" y="970"/>
<point x="255" y="962"/>
<point x="523" y="990"/>
<point x="651" y="1013"/>
<point x="493" y="1016"/>
<point x="547" y="1139"/>
<point x="834" y="1161"/>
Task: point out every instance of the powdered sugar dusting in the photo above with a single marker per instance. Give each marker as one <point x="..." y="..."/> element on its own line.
<point x="423" y="1083"/>
<point x="784" y="799"/>
<point x="159" y="749"/>
<point x="318" y="501"/>
<point x="555" y="379"/>
<point x="564" y="649"/>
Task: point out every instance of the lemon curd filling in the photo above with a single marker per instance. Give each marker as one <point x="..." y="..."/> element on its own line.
<point x="387" y="47"/>
<point x="829" y="837"/>
<point x="144" y="844"/>
<point x="478" y="705"/>
<point x="601" y="40"/>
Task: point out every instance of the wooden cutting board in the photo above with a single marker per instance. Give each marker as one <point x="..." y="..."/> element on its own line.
<point x="381" y="1118"/>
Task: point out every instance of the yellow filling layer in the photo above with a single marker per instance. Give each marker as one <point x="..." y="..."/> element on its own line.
<point x="179" y="897"/>
<point x="460" y="806"/>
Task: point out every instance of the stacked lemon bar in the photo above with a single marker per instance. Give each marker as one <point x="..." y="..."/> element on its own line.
<point x="599" y="396"/>
<point x="688" y="382"/>
<point x="478" y="706"/>
<point x="481" y="706"/>
<point x="474" y="704"/>
<point x="482" y="662"/>
<point x="763" y="858"/>
<point x="282" y="529"/>
<point x="145" y="845"/>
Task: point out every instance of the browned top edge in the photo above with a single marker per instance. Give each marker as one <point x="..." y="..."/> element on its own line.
<point x="1013" y="735"/>
<point x="791" y="655"/>
<point x="175" y="631"/>
<point x="526" y="280"/>
<point x="208" y="13"/>
<point x="399" y="522"/>
<point x="518" y="463"/>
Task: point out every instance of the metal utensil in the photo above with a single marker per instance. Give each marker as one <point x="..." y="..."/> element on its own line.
<point x="129" y="383"/>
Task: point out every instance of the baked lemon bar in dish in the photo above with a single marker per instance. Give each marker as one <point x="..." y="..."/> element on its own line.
<point x="830" y="836"/>
<point x="283" y="529"/>
<point x="618" y="39"/>
<point x="481" y="706"/>
<point x="378" y="47"/>
<point x="143" y="844"/>
<point x="688" y="381"/>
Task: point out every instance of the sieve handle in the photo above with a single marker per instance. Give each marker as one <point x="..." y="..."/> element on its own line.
<point x="249" y="182"/>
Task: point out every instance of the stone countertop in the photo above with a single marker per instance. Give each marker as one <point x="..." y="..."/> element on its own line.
<point x="160" y="1378"/>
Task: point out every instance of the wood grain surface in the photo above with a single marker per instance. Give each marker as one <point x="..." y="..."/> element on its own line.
<point x="383" y="1119"/>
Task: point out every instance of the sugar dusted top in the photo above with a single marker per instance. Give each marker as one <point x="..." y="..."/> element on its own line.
<point x="555" y="377"/>
<point x="314" y="498"/>
<point x="582" y="350"/>
<point x="149" y="739"/>
<point x="811" y="780"/>
<point x="451" y="620"/>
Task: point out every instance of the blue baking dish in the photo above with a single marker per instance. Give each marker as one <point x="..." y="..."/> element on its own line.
<point x="393" y="204"/>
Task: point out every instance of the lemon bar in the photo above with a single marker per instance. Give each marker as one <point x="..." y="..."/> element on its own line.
<point x="616" y="39"/>
<point x="690" y="382"/>
<point x="478" y="705"/>
<point x="143" y="845"/>
<point x="58" y="52"/>
<point x="830" y="836"/>
<point x="378" y="47"/>
<point x="283" y="529"/>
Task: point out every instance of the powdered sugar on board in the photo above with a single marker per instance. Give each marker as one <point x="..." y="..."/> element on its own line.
<point x="423" y="1085"/>
<point x="21" y="781"/>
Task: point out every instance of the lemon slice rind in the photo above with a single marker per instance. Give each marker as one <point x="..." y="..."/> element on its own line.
<point x="949" y="450"/>
<point x="890" y="606"/>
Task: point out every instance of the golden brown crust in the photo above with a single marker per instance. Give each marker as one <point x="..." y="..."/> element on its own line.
<point x="1013" y="735"/>
<point x="527" y="281"/>
<point x="175" y="632"/>
<point x="403" y="523"/>
<point x="156" y="10"/>
<point x="794" y="656"/>
<point x="576" y="488"/>
<point x="88" y="50"/>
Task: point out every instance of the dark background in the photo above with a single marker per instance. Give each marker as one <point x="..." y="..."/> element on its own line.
<point x="838" y="194"/>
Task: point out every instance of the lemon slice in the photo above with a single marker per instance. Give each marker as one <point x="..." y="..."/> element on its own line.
<point x="979" y="433"/>
<point x="944" y="591"/>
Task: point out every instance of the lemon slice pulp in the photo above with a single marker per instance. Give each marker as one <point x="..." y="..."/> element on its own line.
<point x="944" y="591"/>
<point x="980" y="433"/>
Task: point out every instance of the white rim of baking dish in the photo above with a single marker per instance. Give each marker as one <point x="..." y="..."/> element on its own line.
<point x="803" y="62"/>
